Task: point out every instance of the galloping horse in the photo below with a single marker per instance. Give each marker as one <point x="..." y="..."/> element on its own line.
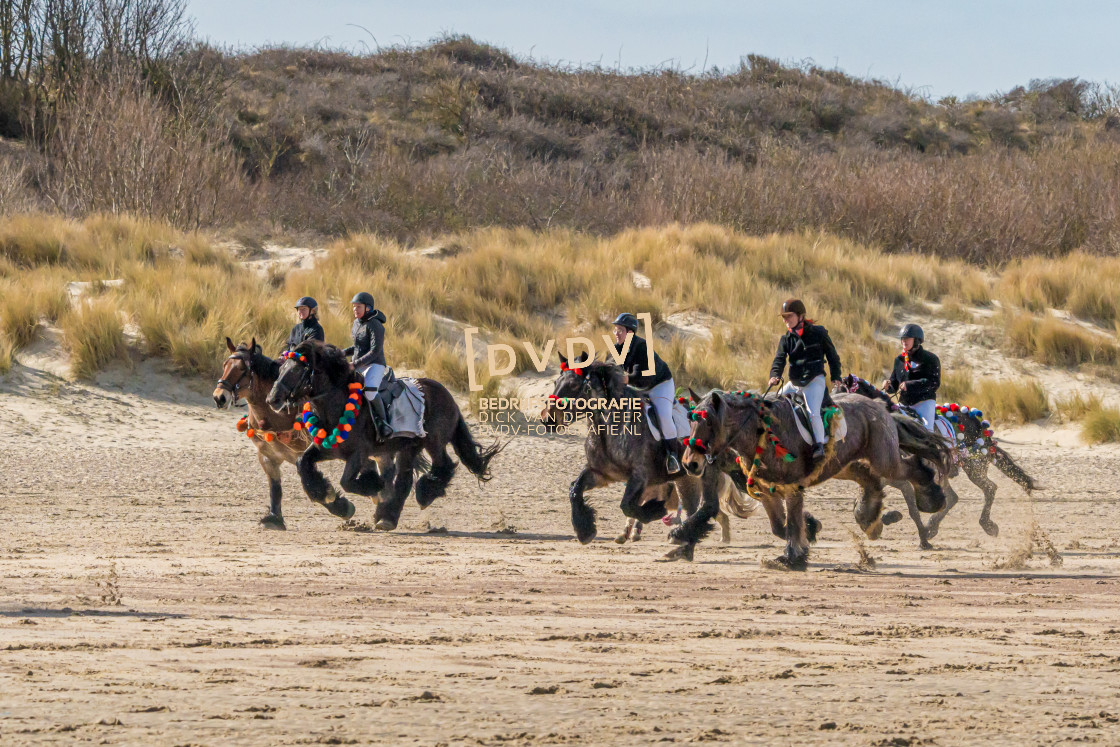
<point x="323" y="375"/>
<point x="974" y="464"/>
<point x="763" y="432"/>
<point x="249" y="374"/>
<point x="616" y="454"/>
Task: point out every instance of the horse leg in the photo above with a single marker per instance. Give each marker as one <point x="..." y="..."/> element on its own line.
<point x="869" y="506"/>
<point x="912" y="506"/>
<point x="796" y="556"/>
<point x="434" y="484"/>
<point x="724" y="528"/>
<point x="317" y="487"/>
<point x="951" y="499"/>
<point x="977" y="471"/>
<point x="583" y="515"/>
<point x="388" y="472"/>
<point x="928" y="494"/>
<point x="388" y="513"/>
<point x="632" y="506"/>
<point x="360" y="476"/>
<point x="274" y="519"/>
<point x="697" y="526"/>
<point x="622" y="538"/>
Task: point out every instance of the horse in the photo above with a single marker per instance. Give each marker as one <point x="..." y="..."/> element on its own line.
<point x="763" y="434"/>
<point x="248" y="374"/>
<point x="973" y="462"/>
<point x="616" y="450"/>
<point x="323" y="375"/>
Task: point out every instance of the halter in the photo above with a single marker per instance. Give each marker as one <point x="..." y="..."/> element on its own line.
<point x="246" y="357"/>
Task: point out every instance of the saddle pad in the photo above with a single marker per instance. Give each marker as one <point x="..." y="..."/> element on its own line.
<point x="406" y="413"/>
<point x="807" y="435"/>
<point x="680" y="418"/>
<point x="945" y="429"/>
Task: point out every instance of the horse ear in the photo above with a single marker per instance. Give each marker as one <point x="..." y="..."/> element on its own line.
<point x="231" y="346"/>
<point x="693" y="395"/>
<point x="562" y="358"/>
<point x="253" y="344"/>
<point x="717" y="401"/>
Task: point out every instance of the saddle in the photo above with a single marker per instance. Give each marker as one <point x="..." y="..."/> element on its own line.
<point x="404" y="405"/>
<point x="680" y="417"/>
<point x="829" y="409"/>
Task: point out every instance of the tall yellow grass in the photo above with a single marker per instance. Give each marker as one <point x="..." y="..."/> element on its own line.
<point x="1012" y="401"/>
<point x="1057" y="343"/>
<point x="1101" y="424"/>
<point x="94" y="335"/>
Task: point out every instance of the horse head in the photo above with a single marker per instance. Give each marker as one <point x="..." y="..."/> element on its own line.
<point x="237" y="373"/>
<point x="716" y="422"/>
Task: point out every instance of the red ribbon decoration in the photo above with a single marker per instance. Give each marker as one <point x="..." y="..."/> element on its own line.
<point x="565" y="367"/>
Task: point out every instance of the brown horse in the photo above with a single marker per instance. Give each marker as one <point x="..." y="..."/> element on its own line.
<point x="248" y="374"/>
<point x="323" y="378"/>
<point x="760" y="430"/>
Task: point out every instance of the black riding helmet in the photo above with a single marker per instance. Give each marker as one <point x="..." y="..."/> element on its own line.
<point x="793" y="306"/>
<point x="912" y="330"/>
<point x="364" y="298"/>
<point x="307" y="301"/>
<point x="628" y="321"/>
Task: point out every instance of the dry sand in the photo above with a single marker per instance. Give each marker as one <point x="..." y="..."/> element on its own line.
<point x="141" y="603"/>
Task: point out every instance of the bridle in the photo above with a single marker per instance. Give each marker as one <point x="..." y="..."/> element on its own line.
<point x="710" y="454"/>
<point x="246" y="357"/>
<point x="306" y="379"/>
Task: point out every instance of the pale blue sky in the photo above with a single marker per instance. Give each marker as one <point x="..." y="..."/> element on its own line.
<point x="940" y="47"/>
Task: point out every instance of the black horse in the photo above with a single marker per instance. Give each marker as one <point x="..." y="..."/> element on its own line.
<point x="324" y="377"/>
<point x="976" y="455"/>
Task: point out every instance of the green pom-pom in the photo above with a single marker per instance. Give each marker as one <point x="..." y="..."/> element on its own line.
<point x="758" y="462"/>
<point x="789" y="458"/>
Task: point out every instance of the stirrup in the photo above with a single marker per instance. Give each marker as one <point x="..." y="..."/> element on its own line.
<point x="672" y="464"/>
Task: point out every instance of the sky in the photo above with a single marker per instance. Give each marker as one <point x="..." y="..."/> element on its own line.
<point x="935" y="48"/>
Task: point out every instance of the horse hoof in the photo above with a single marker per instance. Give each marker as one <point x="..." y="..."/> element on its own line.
<point x="991" y="528"/>
<point x="384" y="525"/>
<point x="621" y="539"/>
<point x="812" y="528"/>
<point x="925" y="545"/>
<point x="273" y="521"/>
<point x="875" y="531"/>
<point x="891" y="517"/>
<point x="684" y="552"/>
<point x="932" y="530"/>
<point x="585" y="537"/>
<point x="792" y="564"/>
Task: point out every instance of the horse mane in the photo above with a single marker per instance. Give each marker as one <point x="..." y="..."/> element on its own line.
<point x="329" y="359"/>
<point x="260" y="364"/>
<point x="610" y="375"/>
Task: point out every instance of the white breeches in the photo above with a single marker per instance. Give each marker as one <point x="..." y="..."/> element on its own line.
<point x="661" y="396"/>
<point x="373" y="375"/>
<point x="813" y="392"/>
<point x="928" y="410"/>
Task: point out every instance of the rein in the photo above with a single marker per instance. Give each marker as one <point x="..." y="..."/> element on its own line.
<point x="234" y="388"/>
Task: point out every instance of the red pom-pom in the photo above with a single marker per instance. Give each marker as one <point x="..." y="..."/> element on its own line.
<point x="704" y="414"/>
<point x="988" y="434"/>
<point x="954" y="407"/>
<point x="758" y="450"/>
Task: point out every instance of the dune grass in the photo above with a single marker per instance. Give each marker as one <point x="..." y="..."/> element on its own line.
<point x="94" y="335"/>
<point x="1012" y="401"/>
<point x="956" y="385"/>
<point x="1101" y="424"/>
<point x="1076" y="405"/>
<point x="1057" y="343"/>
<point x="7" y="355"/>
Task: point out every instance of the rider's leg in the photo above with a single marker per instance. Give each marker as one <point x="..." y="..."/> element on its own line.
<point x="927" y="409"/>
<point x="661" y="396"/>
<point x="373" y="376"/>
<point x="814" y="395"/>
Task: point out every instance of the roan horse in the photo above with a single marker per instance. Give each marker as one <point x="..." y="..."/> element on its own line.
<point x="249" y="374"/>
<point x="618" y="451"/>
<point x="974" y="464"/>
<point x="754" y="428"/>
<point x="324" y="379"/>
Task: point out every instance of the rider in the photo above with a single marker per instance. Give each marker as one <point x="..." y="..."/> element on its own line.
<point x="308" y="327"/>
<point x="659" y="385"/>
<point x="806" y="345"/>
<point x="916" y="375"/>
<point x="368" y="355"/>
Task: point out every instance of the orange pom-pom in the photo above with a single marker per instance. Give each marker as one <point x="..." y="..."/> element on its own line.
<point x="355" y="386"/>
<point x="297" y="426"/>
<point x="350" y="407"/>
<point x="307" y="407"/>
<point x="346" y="427"/>
<point x="268" y="437"/>
<point x="321" y="434"/>
<point x="250" y="433"/>
<point x="242" y="425"/>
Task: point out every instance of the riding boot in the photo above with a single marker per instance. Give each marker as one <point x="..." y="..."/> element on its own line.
<point x="672" y="460"/>
<point x="818" y="451"/>
<point x="380" y="418"/>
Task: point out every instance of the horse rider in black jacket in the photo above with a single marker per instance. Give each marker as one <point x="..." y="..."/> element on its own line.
<point x="368" y="355"/>
<point x="916" y="375"/>
<point x="308" y="327"/>
<point x="807" y="346"/>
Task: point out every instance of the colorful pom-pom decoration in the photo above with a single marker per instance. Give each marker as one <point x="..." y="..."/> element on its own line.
<point x="250" y="433"/>
<point x="269" y="436"/>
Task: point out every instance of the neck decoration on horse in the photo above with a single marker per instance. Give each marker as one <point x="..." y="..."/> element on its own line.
<point x="341" y="432"/>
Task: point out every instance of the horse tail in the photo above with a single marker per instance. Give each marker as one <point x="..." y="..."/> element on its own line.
<point x="914" y="439"/>
<point x="734" y="502"/>
<point x="472" y="453"/>
<point x="1003" y="462"/>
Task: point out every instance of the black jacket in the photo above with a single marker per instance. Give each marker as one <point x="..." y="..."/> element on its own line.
<point x="924" y="377"/>
<point x="806" y="353"/>
<point x="307" y="329"/>
<point x="369" y="339"/>
<point x="636" y="361"/>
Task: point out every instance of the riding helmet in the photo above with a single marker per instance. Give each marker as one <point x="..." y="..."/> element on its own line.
<point x="307" y="301"/>
<point x="912" y="330"/>
<point x="364" y="298"/>
<point x="629" y="321"/>
<point x="793" y="306"/>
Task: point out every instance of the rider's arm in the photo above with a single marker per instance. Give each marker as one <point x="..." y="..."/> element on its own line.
<point x="375" y="346"/>
<point x="832" y="356"/>
<point x="779" y="364"/>
<point x="892" y="387"/>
